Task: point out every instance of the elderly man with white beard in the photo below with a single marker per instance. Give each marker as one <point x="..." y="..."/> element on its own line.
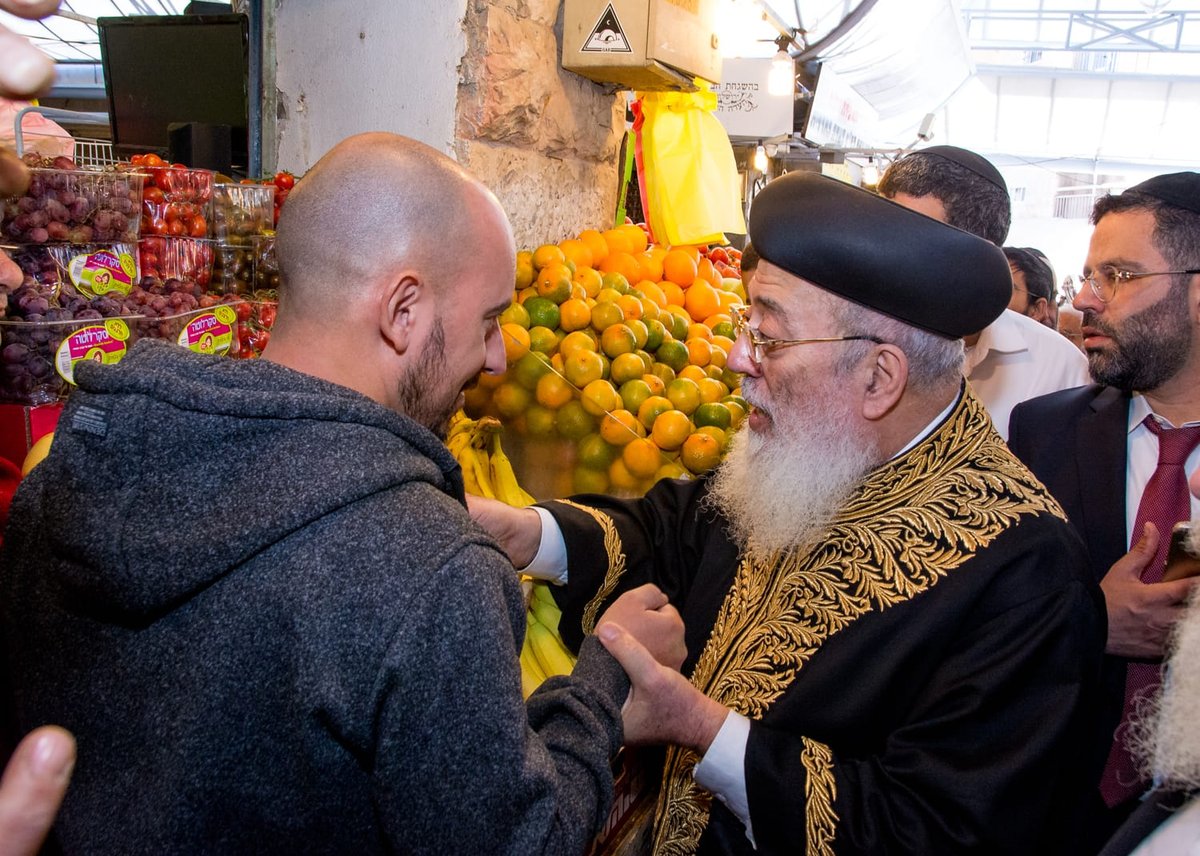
<point x="892" y="640"/>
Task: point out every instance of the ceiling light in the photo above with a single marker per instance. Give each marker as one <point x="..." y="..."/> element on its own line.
<point x="760" y="158"/>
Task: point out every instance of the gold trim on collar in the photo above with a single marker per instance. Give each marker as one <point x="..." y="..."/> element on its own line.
<point x="616" y="563"/>
<point x="911" y="522"/>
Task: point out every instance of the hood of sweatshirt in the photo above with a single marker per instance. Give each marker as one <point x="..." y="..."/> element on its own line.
<point x="169" y="470"/>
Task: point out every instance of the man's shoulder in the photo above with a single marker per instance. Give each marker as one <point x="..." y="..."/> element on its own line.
<point x="1065" y="403"/>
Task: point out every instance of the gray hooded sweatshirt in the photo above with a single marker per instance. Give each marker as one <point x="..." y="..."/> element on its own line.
<point x="257" y="600"/>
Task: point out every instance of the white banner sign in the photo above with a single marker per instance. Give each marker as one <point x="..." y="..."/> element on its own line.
<point x="743" y="105"/>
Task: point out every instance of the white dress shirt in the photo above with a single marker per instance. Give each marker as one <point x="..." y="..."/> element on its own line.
<point x="1016" y="359"/>
<point x="722" y="770"/>
<point x="1143" y="461"/>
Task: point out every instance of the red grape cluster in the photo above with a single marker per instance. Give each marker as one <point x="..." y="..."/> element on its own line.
<point x="69" y="204"/>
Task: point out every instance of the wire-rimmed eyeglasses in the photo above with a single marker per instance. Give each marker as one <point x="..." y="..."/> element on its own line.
<point x="1106" y="279"/>
<point x="761" y="345"/>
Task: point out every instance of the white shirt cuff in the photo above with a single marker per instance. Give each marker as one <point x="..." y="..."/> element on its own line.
<point x="550" y="561"/>
<point x="722" y="770"/>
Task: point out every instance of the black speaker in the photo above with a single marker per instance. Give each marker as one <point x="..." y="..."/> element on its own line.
<point x="202" y="146"/>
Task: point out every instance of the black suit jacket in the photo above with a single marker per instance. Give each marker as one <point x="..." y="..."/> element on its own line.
<point x="1076" y="442"/>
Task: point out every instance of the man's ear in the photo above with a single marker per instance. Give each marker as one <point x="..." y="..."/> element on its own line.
<point x="1040" y="310"/>
<point x="399" y="311"/>
<point x="886" y="383"/>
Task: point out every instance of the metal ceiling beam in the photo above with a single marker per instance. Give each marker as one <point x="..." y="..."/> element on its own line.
<point x="1100" y="30"/>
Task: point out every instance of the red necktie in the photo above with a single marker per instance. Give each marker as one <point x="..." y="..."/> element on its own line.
<point x="1165" y="502"/>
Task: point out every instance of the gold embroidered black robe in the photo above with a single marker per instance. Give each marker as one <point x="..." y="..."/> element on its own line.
<point x="917" y="682"/>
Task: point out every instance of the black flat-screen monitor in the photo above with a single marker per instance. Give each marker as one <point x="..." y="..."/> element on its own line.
<point x="163" y="70"/>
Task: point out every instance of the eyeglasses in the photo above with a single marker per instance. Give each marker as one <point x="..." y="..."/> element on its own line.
<point x="1106" y="279"/>
<point x="761" y="345"/>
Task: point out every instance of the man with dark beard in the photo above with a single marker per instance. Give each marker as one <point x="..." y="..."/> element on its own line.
<point x="891" y="634"/>
<point x="251" y="589"/>
<point x="1101" y="447"/>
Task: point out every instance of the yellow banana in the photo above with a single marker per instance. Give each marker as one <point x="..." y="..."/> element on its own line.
<point x="546" y="614"/>
<point x="551" y="654"/>
<point x="542" y="592"/>
<point x="504" y="478"/>
<point x="479" y="472"/>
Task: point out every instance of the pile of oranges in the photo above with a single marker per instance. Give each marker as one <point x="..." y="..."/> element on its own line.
<point x="619" y="348"/>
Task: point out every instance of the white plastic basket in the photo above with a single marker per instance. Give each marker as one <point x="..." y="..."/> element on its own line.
<point x="94" y="153"/>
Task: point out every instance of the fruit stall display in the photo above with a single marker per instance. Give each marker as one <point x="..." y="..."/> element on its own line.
<point x="616" y="354"/>
<point x="141" y="249"/>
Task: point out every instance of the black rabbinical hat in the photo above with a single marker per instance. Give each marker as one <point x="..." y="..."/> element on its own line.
<point x="881" y="255"/>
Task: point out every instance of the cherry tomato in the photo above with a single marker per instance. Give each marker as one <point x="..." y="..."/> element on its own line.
<point x="153" y="160"/>
<point x="196" y="227"/>
<point x="153" y="195"/>
<point x="266" y="315"/>
<point x="285" y="180"/>
<point x="718" y="255"/>
<point x="158" y="226"/>
<point x="244" y="311"/>
<point x="175" y="228"/>
<point x="247" y="181"/>
<point x="137" y="160"/>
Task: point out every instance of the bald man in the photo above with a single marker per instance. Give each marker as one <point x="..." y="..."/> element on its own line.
<point x="251" y="588"/>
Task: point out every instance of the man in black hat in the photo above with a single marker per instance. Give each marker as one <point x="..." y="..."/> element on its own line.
<point x="1033" y="285"/>
<point x="1013" y="358"/>
<point x="879" y="661"/>
<point x="1116" y="453"/>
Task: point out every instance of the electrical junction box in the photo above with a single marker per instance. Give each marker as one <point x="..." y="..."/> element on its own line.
<point x="642" y="44"/>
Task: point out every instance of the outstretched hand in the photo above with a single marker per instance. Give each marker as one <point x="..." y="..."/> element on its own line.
<point x="32" y="789"/>
<point x="518" y="530"/>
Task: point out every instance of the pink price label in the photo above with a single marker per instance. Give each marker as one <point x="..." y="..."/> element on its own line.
<point x="103" y="271"/>
<point x="104" y="344"/>
<point x="210" y="333"/>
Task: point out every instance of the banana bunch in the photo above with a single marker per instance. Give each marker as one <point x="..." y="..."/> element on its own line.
<point x="487" y="471"/>
<point x="543" y="655"/>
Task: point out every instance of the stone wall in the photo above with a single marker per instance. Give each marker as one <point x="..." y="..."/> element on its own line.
<point x="544" y="139"/>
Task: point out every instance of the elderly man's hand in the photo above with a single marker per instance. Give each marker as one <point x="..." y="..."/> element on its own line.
<point x="663" y="707"/>
<point x="648" y="616"/>
<point x="1140" y="616"/>
<point x="34" y="783"/>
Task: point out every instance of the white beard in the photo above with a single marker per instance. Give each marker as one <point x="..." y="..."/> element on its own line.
<point x="779" y="491"/>
<point x="1165" y="734"/>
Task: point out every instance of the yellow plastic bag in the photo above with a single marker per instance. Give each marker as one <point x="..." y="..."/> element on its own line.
<point x="691" y="192"/>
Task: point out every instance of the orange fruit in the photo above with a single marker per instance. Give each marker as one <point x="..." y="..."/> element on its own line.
<point x="634" y="392"/>
<point x="620" y="477"/>
<point x="684" y="394"/>
<point x="656" y="384"/>
<point x="672" y="292"/>
<point x="583" y="367"/>
<point x="553" y="391"/>
<point x="547" y="254"/>
<point x="679" y="268"/>
<point x="590" y="279"/>
<point x="543" y="312"/>
<point x="700" y="452"/>
<point x="516" y="313"/>
<point x="641" y="333"/>
<point x="637" y="236"/>
<point x="618" y="241"/>
<point x="693" y="372"/>
<point x="554" y="282"/>
<point x="511" y="399"/>
<point x="605" y="315"/>
<point x="596" y="243"/>
<point x="716" y="433"/>
<point x="697" y="330"/>
<point x="595" y="453"/>
<point x="671" y="429"/>
<point x="651" y="408"/>
<point x="599" y="397"/>
<point x="641" y="457"/>
<point x="652" y="268"/>
<point x="575" y="314"/>
<point x="543" y="339"/>
<point x="577" y="251"/>
<point x="701" y="300"/>
<point x="631" y="305"/>
<point x="525" y="271"/>
<point x="706" y="272"/>
<point x="713" y="413"/>
<point x="574" y="422"/>
<point x="619" y="427"/>
<point x="516" y="341"/>
<point x="699" y="351"/>
<point x="528" y="370"/>
<point x="579" y="340"/>
<point x="625" y="367"/>
<point x="711" y="389"/>
<point x="585" y="480"/>
<point x="656" y="332"/>
<point x="654" y="292"/>
<point x="539" y="421"/>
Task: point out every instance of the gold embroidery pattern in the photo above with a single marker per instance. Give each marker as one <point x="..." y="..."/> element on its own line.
<point x="910" y="523"/>
<point x="616" y="563"/>
<point x="820" y="790"/>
